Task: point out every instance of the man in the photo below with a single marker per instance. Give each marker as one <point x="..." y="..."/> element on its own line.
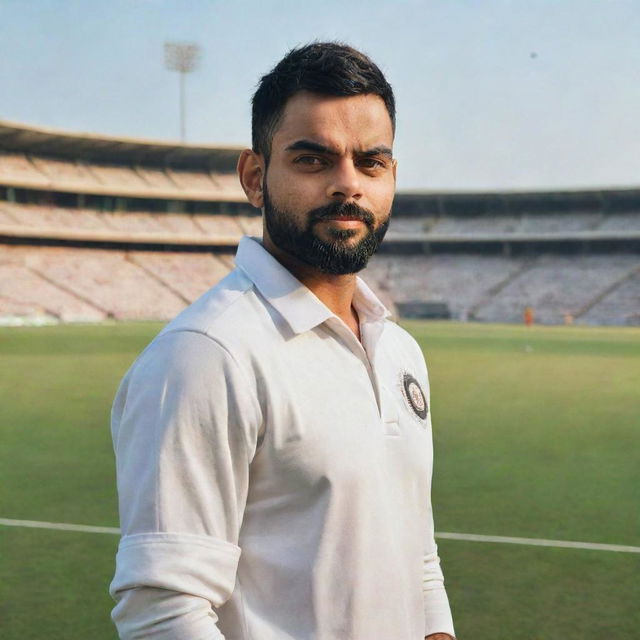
<point x="273" y="442"/>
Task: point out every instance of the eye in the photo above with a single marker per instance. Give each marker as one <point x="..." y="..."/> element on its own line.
<point x="372" y="163"/>
<point x="310" y="161"/>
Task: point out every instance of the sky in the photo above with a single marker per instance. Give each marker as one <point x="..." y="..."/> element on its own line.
<point x="491" y="94"/>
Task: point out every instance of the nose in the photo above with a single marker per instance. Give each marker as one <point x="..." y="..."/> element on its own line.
<point x="345" y="183"/>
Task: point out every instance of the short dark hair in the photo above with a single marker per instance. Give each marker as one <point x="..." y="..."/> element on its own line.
<point x="325" y="68"/>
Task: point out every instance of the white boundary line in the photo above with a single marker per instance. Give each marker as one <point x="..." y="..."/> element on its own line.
<point x="467" y="537"/>
<point x="539" y="542"/>
<point x="60" y="526"/>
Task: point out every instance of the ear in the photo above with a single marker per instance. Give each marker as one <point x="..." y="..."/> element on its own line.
<point x="251" y="174"/>
<point x="395" y="169"/>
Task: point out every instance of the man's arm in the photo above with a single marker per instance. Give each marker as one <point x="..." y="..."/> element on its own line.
<point x="437" y="613"/>
<point x="439" y="636"/>
<point x="146" y="612"/>
<point x="185" y="426"/>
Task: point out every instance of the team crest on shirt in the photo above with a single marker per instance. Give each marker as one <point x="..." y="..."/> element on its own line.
<point x="414" y="396"/>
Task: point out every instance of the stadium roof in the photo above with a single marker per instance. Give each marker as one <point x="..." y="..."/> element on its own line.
<point x="504" y="202"/>
<point x="41" y="140"/>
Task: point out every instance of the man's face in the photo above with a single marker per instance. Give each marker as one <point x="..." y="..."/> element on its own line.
<point x="329" y="185"/>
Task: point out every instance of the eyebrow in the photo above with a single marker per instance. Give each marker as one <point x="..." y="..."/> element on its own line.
<point x="309" y="145"/>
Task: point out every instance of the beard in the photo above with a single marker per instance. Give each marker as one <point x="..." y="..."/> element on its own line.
<point x="334" y="256"/>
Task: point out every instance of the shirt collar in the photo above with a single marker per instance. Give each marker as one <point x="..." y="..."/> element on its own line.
<point x="367" y="304"/>
<point x="294" y="302"/>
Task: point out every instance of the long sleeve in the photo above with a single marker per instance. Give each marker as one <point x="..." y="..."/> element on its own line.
<point x="185" y="426"/>
<point x="437" y="612"/>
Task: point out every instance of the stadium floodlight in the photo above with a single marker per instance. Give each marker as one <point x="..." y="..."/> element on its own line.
<point x="182" y="57"/>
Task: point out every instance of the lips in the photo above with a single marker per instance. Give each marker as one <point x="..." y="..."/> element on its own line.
<point x="344" y="218"/>
<point x="347" y="213"/>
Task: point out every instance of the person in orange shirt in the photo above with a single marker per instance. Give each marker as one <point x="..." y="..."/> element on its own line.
<point x="528" y="316"/>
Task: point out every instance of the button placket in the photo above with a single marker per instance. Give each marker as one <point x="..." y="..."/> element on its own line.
<point x="349" y="340"/>
<point x="390" y="414"/>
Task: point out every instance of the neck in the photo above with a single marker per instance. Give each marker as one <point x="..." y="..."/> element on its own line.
<point x="335" y="291"/>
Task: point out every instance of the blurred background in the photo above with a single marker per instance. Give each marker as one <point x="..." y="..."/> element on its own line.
<point x="513" y="257"/>
<point x="496" y="94"/>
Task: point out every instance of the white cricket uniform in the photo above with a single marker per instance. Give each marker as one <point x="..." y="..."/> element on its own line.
<point x="274" y="473"/>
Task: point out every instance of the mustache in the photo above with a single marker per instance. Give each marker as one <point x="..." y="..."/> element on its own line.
<point x="340" y="209"/>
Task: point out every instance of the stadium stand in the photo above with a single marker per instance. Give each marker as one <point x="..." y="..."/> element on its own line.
<point x="461" y="281"/>
<point x="559" y="222"/>
<point x="180" y="223"/>
<point x="229" y="184"/>
<point x="621" y="222"/>
<point x="26" y="294"/>
<point x="133" y="222"/>
<point x="156" y="178"/>
<point x="114" y="176"/>
<point x="250" y="225"/>
<point x="219" y="225"/>
<point x="107" y="280"/>
<point x="95" y="228"/>
<point x="64" y="171"/>
<point x="15" y="168"/>
<point x="194" y="181"/>
<point x="43" y="217"/>
<point x="188" y="275"/>
<point x="619" y="304"/>
<point x="410" y="226"/>
<point x="70" y="222"/>
<point x="90" y="164"/>
<point x="555" y="286"/>
<point x="472" y="225"/>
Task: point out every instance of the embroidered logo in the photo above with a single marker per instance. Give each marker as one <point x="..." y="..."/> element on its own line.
<point x="414" y="396"/>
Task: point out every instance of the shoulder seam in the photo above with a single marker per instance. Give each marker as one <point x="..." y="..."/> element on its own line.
<point x="238" y="366"/>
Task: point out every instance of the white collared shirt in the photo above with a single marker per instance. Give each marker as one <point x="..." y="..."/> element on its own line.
<point x="274" y="473"/>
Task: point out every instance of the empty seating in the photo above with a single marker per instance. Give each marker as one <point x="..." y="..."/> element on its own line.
<point x="104" y="177"/>
<point x="476" y="224"/>
<point x="621" y="306"/>
<point x="15" y="168"/>
<point x="57" y="218"/>
<point x="251" y="225"/>
<point x="194" y="180"/>
<point x="90" y="285"/>
<point x="77" y="284"/>
<point x="178" y="223"/>
<point x="116" y="175"/>
<point x="559" y="222"/>
<point x="134" y="221"/>
<point x="530" y="223"/>
<point x="402" y="225"/>
<point x="555" y="286"/>
<point x="462" y="281"/>
<point x="156" y="177"/>
<point x="6" y="217"/>
<point x="229" y="185"/>
<point x="188" y="274"/>
<point x="621" y="222"/>
<point x="497" y="289"/>
<point x="25" y="293"/>
<point x="110" y="281"/>
<point x="218" y="225"/>
<point x="64" y="171"/>
<point x="126" y="225"/>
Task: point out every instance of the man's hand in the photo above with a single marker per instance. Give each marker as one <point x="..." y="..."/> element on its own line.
<point x="439" y="636"/>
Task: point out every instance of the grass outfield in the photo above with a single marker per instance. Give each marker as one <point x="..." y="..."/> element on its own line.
<point x="536" y="434"/>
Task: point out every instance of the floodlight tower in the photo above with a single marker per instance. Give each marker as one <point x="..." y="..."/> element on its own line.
<point x="182" y="57"/>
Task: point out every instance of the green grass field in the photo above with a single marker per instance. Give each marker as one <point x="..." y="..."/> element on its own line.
<point x="536" y="434"/>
